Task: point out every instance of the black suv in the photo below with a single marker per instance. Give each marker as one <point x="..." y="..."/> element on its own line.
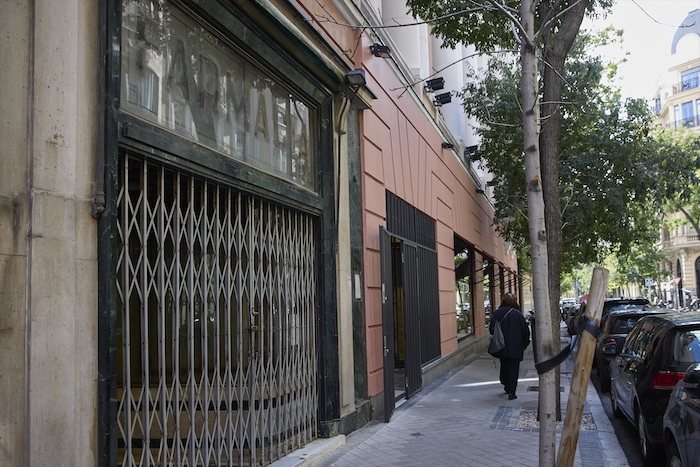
<point x="612" y="337"/>
<point x="575" y="324"/>
<point x="655" y="356"/>
<point x="682" y="420"/>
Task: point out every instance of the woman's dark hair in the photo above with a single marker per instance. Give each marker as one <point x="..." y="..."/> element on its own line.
<point x="509" y="299"/>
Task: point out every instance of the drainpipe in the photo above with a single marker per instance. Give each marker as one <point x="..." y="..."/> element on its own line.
<point x="99" y="202"/>
<point x="341" y="130"/>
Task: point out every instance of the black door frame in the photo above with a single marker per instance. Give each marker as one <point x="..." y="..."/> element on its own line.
<point x="387" y="291"/>
<point x="410" y="309"/>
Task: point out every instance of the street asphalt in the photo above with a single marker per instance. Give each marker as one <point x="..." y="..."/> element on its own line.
<point x="466" y="419"/>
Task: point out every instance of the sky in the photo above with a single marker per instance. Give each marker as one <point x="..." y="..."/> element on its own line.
<point x="649" y="26"/>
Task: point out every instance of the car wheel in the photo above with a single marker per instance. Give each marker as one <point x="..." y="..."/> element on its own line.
<point x="613" y="400"/>
<point x="649" y="453"/>
<point x="673" y="458"/>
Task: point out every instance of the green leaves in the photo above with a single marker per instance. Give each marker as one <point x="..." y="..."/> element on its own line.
<point x="467" y="22"/>
<point x="617" y="173"/>
<point x="616" y="170"/>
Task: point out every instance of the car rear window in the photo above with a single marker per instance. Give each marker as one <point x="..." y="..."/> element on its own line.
<point x="686" y="346"/>
<point x="627" y="307"/>
<point x="623" y="325"/>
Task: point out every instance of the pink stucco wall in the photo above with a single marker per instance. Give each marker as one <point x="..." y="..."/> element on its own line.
<point x="402" y="152"/>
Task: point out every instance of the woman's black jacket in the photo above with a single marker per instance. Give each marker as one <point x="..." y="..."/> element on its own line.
<point x="516" y="332"/>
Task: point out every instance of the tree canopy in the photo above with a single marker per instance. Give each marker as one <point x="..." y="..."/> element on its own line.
<point x="616" y="169"/>
<point x="579" y="147"/>
<point x="488" y="25"/>
<point x="677" y="195"/>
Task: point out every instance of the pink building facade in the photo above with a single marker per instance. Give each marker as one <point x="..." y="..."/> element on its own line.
<point x="231" y="227"/>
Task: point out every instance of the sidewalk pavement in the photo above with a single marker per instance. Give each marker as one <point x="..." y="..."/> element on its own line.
<point x="466" y="419"/>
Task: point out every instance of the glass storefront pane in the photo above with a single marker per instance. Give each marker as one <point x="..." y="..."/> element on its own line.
<point x="487" y="282"/>
<point x="463" y="293"/>
<point x="179" y="76"/>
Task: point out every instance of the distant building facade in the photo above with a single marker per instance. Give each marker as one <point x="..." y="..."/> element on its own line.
<point x="677" y="105"/>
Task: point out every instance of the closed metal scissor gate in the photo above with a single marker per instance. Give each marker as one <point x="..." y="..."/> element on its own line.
<point x="216" y="322"/>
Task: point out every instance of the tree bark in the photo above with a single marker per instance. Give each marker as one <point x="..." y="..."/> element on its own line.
<point x="582" y="372"/>
<point x="556" y="47"/>
<point x="537" y="231"/>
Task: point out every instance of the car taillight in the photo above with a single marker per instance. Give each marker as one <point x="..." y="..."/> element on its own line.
<point x="601" y="325"/>
<point x="665" y="379"/>
<point x="609" y="347"/>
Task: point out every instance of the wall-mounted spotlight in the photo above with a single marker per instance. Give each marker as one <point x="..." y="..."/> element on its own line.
<point x="441" y="99"/>
<point x="447" y="145"/>
<point x="434" y="84"/>
<point x="470" y="152"/>
<point x="491" y="183"/>
<point x="380" y="50"/>
<point x="480" y="191"/>
<point x="355" y="77"/>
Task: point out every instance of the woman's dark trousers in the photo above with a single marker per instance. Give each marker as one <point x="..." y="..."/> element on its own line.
<point x="510" y="367"/>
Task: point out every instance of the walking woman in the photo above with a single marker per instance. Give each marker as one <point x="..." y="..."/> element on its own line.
<point x="516" y="335"/>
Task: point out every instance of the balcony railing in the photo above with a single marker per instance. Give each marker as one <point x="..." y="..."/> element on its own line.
<point x="678" y="240"/>
<point x="686" y="84"/>
<point x="689" y="122"/>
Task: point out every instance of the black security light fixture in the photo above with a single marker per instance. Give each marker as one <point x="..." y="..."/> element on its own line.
<point x="447" y="145"/>
<point x="442" y="99"/>
<point x="356" y="87"/>
<point x="434" y="84"/>
<point x="491" y="183"/>
<point x="480" y="191"/>
<point x="355" y="78"/>
<point x="380" y="50"/>
<point x="470" y="152"/>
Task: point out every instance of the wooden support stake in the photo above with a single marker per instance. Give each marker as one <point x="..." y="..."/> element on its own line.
<point x="582" y="371"/>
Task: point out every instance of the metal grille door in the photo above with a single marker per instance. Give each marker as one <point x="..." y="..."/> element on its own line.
<point x="412" y="318"/>
<point x="216" y="332"/>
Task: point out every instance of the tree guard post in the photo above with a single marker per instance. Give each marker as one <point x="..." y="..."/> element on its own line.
<point x="582" y="370"/>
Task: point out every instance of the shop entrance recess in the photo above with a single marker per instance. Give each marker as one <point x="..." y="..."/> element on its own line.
<point x="410" y="323"/>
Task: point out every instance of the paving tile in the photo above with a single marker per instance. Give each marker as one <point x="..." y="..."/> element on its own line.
<point x="465" y="419"/>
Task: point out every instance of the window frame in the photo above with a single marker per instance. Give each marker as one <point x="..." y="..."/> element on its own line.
<point x="241" y="36"/>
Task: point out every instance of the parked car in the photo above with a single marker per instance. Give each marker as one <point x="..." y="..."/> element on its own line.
<point x="575" y="321"/>
<point x="612" y="336"/>
<point x="653" y="359"/>
<point x="682" y="420"/>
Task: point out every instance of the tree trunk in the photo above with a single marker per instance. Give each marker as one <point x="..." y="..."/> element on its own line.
<point x="537" y="231"/>
<point x="549" y="159"/>
<point x="556" y="48"/>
